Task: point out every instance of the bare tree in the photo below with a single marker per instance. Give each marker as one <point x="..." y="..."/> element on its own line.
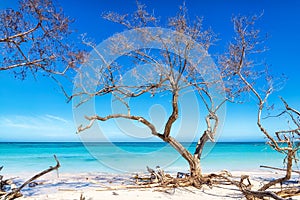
<point x="174" y="70"/>
<point x="247" y="71"/>
<point x="37" y="37"/>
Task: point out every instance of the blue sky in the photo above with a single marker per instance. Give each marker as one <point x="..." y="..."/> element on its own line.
<point x="36" y="110"/>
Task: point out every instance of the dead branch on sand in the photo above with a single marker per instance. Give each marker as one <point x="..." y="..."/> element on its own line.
<point x="163" y="182"/>
<point x="16" y="192"/>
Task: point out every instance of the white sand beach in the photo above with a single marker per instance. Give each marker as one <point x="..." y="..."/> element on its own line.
<point x="111" y="187"/>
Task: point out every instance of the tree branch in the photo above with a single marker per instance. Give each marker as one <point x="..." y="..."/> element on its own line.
<point x="173" y="117"/>
<point x="115" y="116"/>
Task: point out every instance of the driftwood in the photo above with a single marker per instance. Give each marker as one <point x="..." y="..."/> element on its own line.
<point x="289" y="192"/>
<point x="15" y="193"/>
<point x="82" y="197"/>
<point x="245" y="187"/>
<point x="276" y="168"/>
<point x="164" y="181"/>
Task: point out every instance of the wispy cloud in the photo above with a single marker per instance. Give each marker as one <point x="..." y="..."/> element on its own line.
<point x="49" y="122"/>
<point x="41" y="126"/>
<point x="57" y="118"/>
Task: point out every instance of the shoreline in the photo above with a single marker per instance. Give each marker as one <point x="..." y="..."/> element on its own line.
<point x="109" y="186"/>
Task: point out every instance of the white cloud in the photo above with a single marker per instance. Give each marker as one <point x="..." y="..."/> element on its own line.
<point x="41" y="127"/>
<point x="57" y="118"/>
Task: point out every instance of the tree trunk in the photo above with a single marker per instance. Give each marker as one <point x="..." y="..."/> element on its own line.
<point x="194" y="161"/>
<point x="195" y="168"/>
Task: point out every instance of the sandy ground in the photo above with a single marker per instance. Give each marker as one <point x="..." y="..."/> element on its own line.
<point x="145" y="194"/>
<point x="95" y="186"/>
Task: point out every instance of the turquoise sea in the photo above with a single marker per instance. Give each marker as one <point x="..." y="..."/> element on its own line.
<point x="76" y="157"/>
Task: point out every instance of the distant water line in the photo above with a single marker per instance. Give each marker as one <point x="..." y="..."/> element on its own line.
<point x="23" y="157"/>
